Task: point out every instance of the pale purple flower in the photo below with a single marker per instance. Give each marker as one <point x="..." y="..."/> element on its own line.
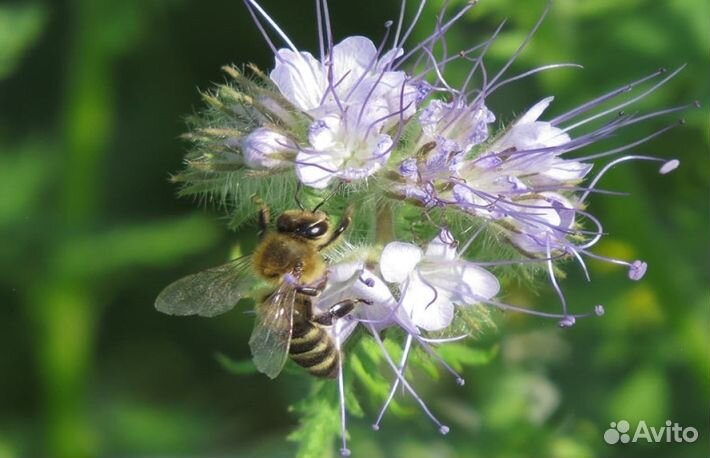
<point x="455" y="125"/>
<point x="341" y="147"/>
<point x="351" y="280"/>
<point x="527" y="180"/>
<point x="433" y="281"/>
<point x="353" y="98"/>
<point x="265" y="148"/>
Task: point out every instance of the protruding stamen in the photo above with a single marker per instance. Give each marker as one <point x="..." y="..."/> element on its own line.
<point x="514" y="308"/>
<point x="459" y="380"/>
<point x="484" y="91"/>
<point x="626" y="103"/>
<point x="611" y="164"/>
<point x="603" y="98"/>
<point x="553" y="280"/>
<point x="398" y="44"/>
<point x="531" y="72"/>
<point x="395" y="385"/>
<point x="628" y="145"/>
<point x="274" y="25"/>
<point x="433" y="37"/>
<point x="404" y="381"/>
<point x="344" y="451"/>
<point x="261" y="29"/>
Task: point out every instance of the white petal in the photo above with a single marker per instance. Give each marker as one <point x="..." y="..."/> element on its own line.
<point x="442" y="247"/>
<point x="429" y="307"/>
<point x="535" y="111"/>
<point x="549" y="217"/>
<point x="384" y="310"/>
<point x="460" y="280"/>
<point x="344" y="271"/>
<point x="351" y="57"/>
<point x="371" y="287"/>
<point x="476" y="284"/>
<point x="398" y="260"/>
<point x="563" y="171"/>
<point x="300" y="78"/>
<point x="322" y="133"/>
<point x="315" y="169"/>
<point x="534" y="135"/>
<point x="388" y="57"/>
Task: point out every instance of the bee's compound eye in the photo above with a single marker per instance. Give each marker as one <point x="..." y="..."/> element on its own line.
<point x="317" y="229"/>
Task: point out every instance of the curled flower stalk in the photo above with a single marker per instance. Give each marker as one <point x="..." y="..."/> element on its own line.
<point x="447" y="198"/>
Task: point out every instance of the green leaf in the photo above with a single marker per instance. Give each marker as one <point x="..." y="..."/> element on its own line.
<point x="150" y="244"/>
<point x="20" y="27"/>
<point x="23" y="175"/>
<point x="631" y="399"/>
<point x="460" y="355"/>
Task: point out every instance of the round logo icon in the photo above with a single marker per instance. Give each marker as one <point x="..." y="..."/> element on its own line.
<point x="617" y="432"/>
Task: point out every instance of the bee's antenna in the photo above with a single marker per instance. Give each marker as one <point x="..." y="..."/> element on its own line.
<point x="296" y="197"/>
<point x="337" y="188"/>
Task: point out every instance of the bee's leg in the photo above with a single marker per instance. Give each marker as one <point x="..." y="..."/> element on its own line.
<point x="344" y="223"/>
<point x="338" y="310"/>
<point x="264" y="215"/>
<point x="308" y="290"/>
<point x="313" y="289"/>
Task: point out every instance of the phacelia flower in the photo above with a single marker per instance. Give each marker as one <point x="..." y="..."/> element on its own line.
<point x="379" y="128"/>
<point x="352" y="98"/>
<point x="433" y="281"/>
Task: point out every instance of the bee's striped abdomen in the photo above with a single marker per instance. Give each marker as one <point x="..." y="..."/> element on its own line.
<point x="313" y="349"/>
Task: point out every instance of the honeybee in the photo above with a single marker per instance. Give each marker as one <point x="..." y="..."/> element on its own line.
<point x="290" y="259"/>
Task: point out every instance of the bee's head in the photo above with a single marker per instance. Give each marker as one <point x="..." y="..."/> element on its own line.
<point x="311" y="225"/>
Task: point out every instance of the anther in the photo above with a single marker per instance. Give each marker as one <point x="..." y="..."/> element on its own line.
<point x="567" y="322"/>
<point x="669" y="166"/>
<point x="375" y="427"/>
<point x="599" y="310"/>
<point x="344" y="452"/>
<point x="444" y="430"/>
<point x="637" y="270"/>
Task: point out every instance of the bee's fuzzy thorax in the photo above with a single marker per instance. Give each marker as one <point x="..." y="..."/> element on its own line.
<point x="278" y="254"/>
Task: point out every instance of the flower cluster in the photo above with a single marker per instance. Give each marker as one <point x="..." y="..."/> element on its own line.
<point x="381" y="127"/>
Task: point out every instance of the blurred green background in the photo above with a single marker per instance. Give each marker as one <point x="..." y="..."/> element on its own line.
<point x="93" y="94"/>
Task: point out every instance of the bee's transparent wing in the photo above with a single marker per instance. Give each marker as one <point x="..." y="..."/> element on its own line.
<point x="210" y="292"/>
<point x="270" y="340"/>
